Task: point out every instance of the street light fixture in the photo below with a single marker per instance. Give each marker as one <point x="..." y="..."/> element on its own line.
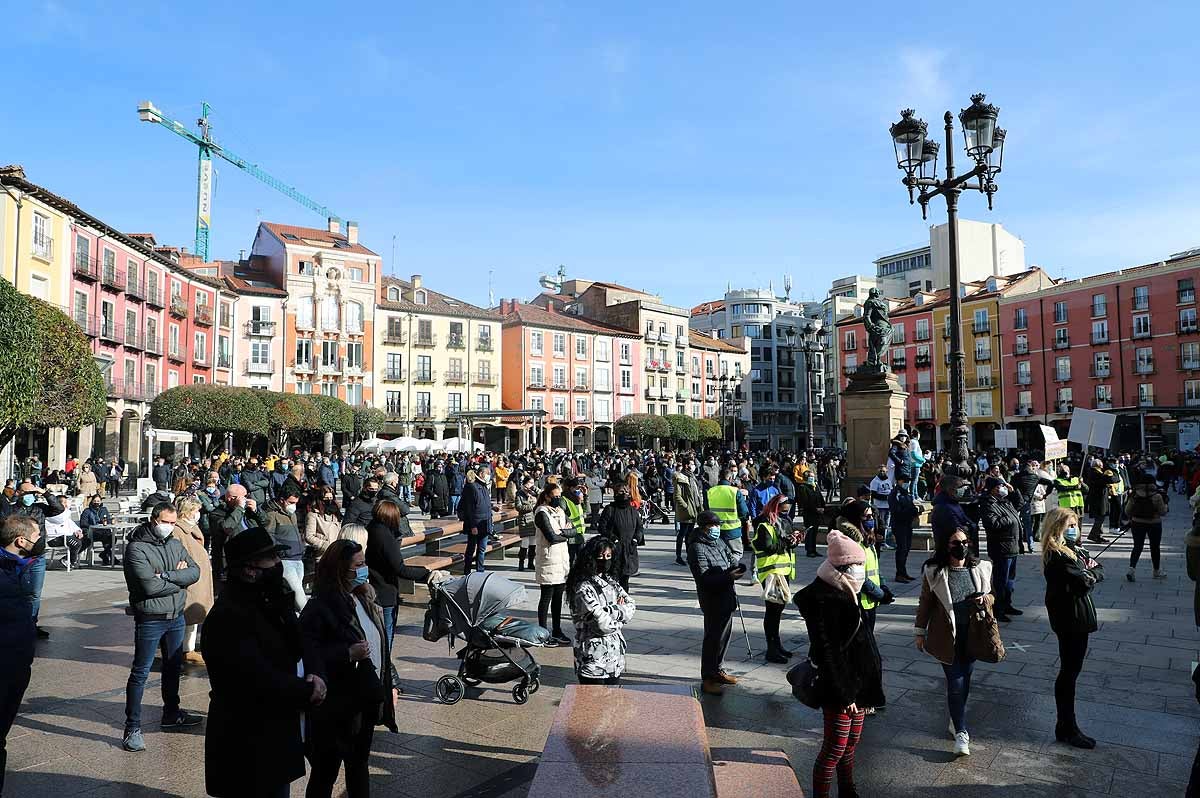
<point x="917" y="158"/>
<point x="731" y="404"/>
<point x="813" y="339"/>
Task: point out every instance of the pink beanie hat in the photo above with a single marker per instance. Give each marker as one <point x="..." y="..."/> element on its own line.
<point x="841" y="550"/>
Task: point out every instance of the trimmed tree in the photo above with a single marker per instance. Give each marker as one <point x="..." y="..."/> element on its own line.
<point x="288" y="414"/>
<point x="642" y="426"/>
<point x="684" y="428"/>
<point x="20" y="388"/>
<point x="368" y="422"/>
<point x="336" y="415"/>
<point x="208" y="410"/>
<point x="709" y="429"/>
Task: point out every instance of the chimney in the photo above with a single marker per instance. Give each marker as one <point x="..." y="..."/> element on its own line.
<point x="416" y="281"/>
<point x="550" y="307"/>
<point x="352" y="232"/>
<point x="504" y="307"/>
<point x="335" y="226"/>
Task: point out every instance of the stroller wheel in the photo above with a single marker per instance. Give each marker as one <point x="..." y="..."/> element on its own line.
<point x="534" y="685"/>
<point x="449" y="690"/>
<point x="520" y="692"/>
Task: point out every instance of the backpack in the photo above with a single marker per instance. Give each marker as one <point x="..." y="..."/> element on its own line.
<point x="1141" y="506"/>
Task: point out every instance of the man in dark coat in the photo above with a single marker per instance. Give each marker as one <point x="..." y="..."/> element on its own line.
<point x="904" y="513"/>
<point x="352" y="483"/>
<point x="161" y="474"/>
<point x="257" y="482"/>
<point x="948" y="514"/>
<point x="361" y="508"/>
<point x="235" y="514"/>
<point x="999" y="509"/>
<point x="437" y="488"/>
<point x="18" y="539"/>
<point x="1097" y="482"/>
<point x="251" y="644"/>
<point x="621" y="523"/>
<point x="475" y="509"/>
<point x="811" y="504"/>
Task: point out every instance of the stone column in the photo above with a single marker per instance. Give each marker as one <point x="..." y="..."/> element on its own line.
<point x="874" y="405"/>
<point x="86" y="437"/>
<point x="56" y="450"/>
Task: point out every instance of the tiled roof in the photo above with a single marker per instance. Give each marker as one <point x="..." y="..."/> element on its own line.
<point x="291" y="234"/>
<point x="436" y="303"/>
<point x="708" y="307"/>
<point x="706" y="342"/>
<point x="245" y="287"/>
<point x="540" y="317"/>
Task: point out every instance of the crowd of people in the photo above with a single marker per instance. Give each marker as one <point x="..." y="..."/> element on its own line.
<point x="281" y="575"/>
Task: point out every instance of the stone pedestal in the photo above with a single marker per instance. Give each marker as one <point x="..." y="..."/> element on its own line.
<point x="875" y="407"/>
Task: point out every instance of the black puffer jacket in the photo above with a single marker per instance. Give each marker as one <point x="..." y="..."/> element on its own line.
<point x="1002" y="520"/>
<point x="623" y="526"/>
<point x="1068" y="593"/>
<point x="848" y="664"/>
<point x="711" y="563"/>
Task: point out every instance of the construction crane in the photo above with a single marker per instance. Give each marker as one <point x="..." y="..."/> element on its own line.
<point x="147" y="112"/>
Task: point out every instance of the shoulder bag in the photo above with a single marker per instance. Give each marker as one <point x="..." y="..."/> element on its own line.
<point x="983" y="633"/>
<point x="805" y="677"/>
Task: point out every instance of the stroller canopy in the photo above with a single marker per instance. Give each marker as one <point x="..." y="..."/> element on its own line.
<point x="482" y="595"/>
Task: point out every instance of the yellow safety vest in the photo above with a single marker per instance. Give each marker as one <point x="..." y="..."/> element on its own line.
<point x="575" y="518"/>
<point x="722" y="500"/>
<point x="1070" y="494"/>
<point x="784" y="564"/>
<point x="872" y="566"/>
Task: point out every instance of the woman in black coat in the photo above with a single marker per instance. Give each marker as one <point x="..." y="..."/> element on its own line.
<point x="999" y="509"/>
<point x="437" y="488"/>
<point x="385" y="561"/>
<point x="1069" y="583"/>
<point x="715" y="568"/>
<point x="621" y="523"/>
<point x="343" y="628"/>
<point x="843" y="649"/>
<point x="251" y="644"/>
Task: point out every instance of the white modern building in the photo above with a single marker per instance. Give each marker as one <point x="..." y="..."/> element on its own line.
<point x="985" y="250"/>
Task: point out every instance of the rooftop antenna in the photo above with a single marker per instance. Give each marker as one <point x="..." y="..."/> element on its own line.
<point x="552" y="284"/>
<point x="787" y="287"/>
<point x="491" y="294"/>
<point x="393" y="262"/>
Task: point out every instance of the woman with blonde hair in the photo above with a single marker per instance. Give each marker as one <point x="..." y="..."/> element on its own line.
<point x="355" y="532"/>
<point x="1070" y="576"/>
<point x="200" y="594"/>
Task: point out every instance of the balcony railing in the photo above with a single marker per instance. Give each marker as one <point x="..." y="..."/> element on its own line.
<point x="1144" y="367"/>
<point x="132" y="391"/>
<point x="1140" y="334"/>
<point x="224" y="361"/>
<point x="1146" y="401"/>
<point x="922" y="360"/>
<point x="86" y="267"/>
<point x="1103" y="404"/>
<point x="178" y="306"/>
<point x="1062" y="343"/>
<point x="1140" y="302"/>
<point x="304" y="365"/>
<point x="1099" y="338"/>
<point x="983" y="382"/>
<point x="154" y="297"/>
<point x="485" y="380"/>
<point x="1188" y="363"/>
<point x="423" y="413"/>
<point x="558" y="386"/>
<point x="394" y="375"/>
<point x="394" y="410"/>
<point x="982" y="327"/>
<point x="424" y="377"/>
<point x="395" y="337"/>
<point x="425" y="340"/>
<point x="134" y="289"/>
<point x="922" y="335"/>
<point x="536" y="384"/>
<point x="455" y="378"/>
<point x="176" y="353"/>
<point x="983" y="355"/>
<point x="331" y="365"/>
<point x="112" y="278"/>
<point x="1062" y="376"/>
<point x="1023" y="378"/>
<point x="924" y="387"/>
<point x="204" y="314"/>
<point x="153" y="344"/>
<point x="924" y="414"/>
<point x="1185" y="296"/>
<point x="132" y="340"/>
<point x="483" y="344"/>
<point x="111" y="331"/>
<point x="1099" y="372"/>
<point x="1187" y="327"/>
<point x="43" y="247"/>
<point x="1024" y="410"/>
<point x="1189" y="401"/>
<point x="260" y="366"/>
<point x="1020" y="349"/>
<point x="200" y="359"/>
<point x="899" y="364"/>
<point x="1099" y="311"/>
<point x="263" y="328"/>
<point x="455" y="341"/>
<point x="1064" y="407"/>
<point x="352" y="368"/>
<point x="580" y="385"/>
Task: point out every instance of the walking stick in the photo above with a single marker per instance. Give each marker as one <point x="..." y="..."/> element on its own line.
<point x="749" y="650"/>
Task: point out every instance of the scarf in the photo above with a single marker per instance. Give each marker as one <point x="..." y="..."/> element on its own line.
<point x="835" y="578"/>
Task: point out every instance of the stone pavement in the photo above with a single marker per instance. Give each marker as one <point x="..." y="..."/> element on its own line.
<point x="1135" y="697"/>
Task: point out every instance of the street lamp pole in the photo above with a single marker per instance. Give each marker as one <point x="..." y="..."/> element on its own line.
<point x="917" y="157"/>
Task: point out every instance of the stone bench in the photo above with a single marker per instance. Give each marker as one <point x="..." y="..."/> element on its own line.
<point x="754" y="773"/>
<point x="439" y="553"/>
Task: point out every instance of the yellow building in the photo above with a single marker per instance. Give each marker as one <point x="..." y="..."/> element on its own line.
<point x="34" y="241"/>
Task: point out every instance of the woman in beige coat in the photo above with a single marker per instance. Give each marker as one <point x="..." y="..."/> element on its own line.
<point x="324" y="522"/>
<point x="86" y="483"/>
<point x="200" y="595"/>
<point x="551" y="561"/>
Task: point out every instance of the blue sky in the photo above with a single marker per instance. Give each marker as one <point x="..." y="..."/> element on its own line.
<point x="670" y="146"/>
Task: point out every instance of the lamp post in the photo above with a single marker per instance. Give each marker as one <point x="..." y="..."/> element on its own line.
<point x="731" y="405"/>
<point x="917" y="158"/>
<point x="812" y="343"/>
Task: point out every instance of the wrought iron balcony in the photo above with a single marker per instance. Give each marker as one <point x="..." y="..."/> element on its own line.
<point x="86" y="267"/>
<point x="262" y="328"/>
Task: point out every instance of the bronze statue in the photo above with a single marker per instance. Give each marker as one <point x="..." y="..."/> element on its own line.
<point x="879" y="329"/>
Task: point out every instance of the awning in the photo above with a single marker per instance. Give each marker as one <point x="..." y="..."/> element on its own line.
<point x="171" y="436"/>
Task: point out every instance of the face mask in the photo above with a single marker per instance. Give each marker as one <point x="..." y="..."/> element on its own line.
<point x="857" y="575"/>
<point x="28" y="499"/>
<point x="1072" y="534"/>
<point x="713" y="532"/>
<point x="96" y="505"/>
<point x="369" y="494"/>
<point x="291" y="508"/>
<point x="869" y="524"/>
<point x="1001" y="491"/>
<point x="556" y="501"/>
<point x="622" y="500"/>
<point x="958" y="551"/>
<point x="603" y="566"/>
<point x="241" y="501"/>
<point x="164" y="530"/>
<point x="268" y="577"/>
<point x="361" y="574"/>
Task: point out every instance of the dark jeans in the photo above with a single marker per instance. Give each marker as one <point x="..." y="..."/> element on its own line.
<point x="1072" y="648"/>
<point x="150" y="636"/>
<point x="1097" y="526"/>
<point x="717" y="627"/>
<point x="12" y="689"/>
<point x="1004" y="576"/>
<point x="1037" y="525"/>
<point x="389" y="624"/>
<point x="573" y="551"/>
<point x="771" y="618"/>
<point x="551" y="601"/>
<point x="37" y="578"/>
<point x="326" y="760"/>
<point x="903" y="538"/>
<point x="685" y="529"/>
<point x="810" y="536"/>
<point x="1027" y="526"/>
<point x="477" y="544"/>
<point x="1140" y="533"/>
<point x="958" y="688"/>
<point x="614" y="681"/>
<point x="1114" y="513"/>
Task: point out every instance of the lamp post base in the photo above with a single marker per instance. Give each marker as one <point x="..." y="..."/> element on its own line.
<point x="875" y="409"/>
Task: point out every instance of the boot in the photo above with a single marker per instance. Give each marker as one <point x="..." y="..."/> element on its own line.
<point x="1068" y="732"/>
<point x="773" y="652"/>
<point x="782" y="650"/>
<point x="712" y="687"/>
<point x="521" y="559"/>
<point x="846" y="788"/>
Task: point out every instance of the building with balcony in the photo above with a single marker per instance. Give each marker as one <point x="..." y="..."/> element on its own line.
<point x="327" y="322"/>
<point x="1125" y="341"/>
<point x="720" y="374"/>
<point x="436" y="356"/>
<point x="585" y="374"/>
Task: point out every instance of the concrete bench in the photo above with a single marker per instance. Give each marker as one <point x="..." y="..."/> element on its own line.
<point x="753" y="773"/>
<point x="632" y="741"/>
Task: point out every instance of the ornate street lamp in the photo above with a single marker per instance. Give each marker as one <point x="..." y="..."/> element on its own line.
<point x="984" y="144"/>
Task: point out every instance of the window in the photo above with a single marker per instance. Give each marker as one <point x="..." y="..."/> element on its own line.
<point x="227" y="314"/>
<point x="456" y="334"/>
<point x="983" y="376"/>
<point x="356" y="274"/>
<point x="392" y="401"/>
<point x="1100" y="331"/>
<point x="354" y="355"/>
<point x="898" y="333"/>
<point x="453" y="402"/>
<point x="1101" y="365"/>
<point x="1145" y="394"/>
<point x="1024" y="402"/>
<point x="424" y="367"/>
<point x="626" y="379"/>
<point x="535" y="403"/>
<point x="395" y="365"/>
<point x="1191" y="393"/>
<point x="200" y="346"/>
<point x="43" y="244"/>
<point x="626" y="352"/>
<point x="1022" y="344"/>
<point x="82" y="252"/>
<point x="1099" y="305"/>
<point x="225" y="351"/>
<point x="131" y="277"/>
<point x="560" y="409"/>
<point x="1024" y="374"/>
<point x="851" y="364"/>
<point x="1141" y="297"/>
<point x="925" y="407"/>
<point x="1187" y="320"/>
<point x="304" y="352"/>
<point x="603" y="349"/>
<point x="109" y="275"/>
<point x="483" y="401"/>
<point x="1141" y="325"/>
<point x="1185" y="290"/>
<point x="152" y="284"/>
<point x="420" y="297"/>
<point x="1103" y="396"/>
<point x="485" y="370"/>
<point x="979" y="405"/>
<point x="485" y="336"/>
<point x="304" y="388"/>
<point x="306" y="267"/>
<point x="425" y="331"/>
<point x="1143" y="361"/>
<point x="424" y="404"/>
<point x="1062" y="369"/>
<point x="1062" y="338"/>
<point x="537" y="376"/>
<point x="131" y="328"/>
<point x="898" y="357"/>
<point x="922" y="355"/>
<point x="197" y="379"/>
<point x="304" y="314"/>
<point x="580" y="347"/>
<point x="581" y="378"/>
<point x="560" y="377"/>
<point x="603" y="410"/>
<point x="354" y="392"/>
<point x="560" y="345"/>
<point x="329" y="353"/>
<point x="982" y="324"/>
<point x="535" y="342"/>
<point x="79" y="310"/>
<point x="1189" y="355"/>
<point x="354" y="317"/>
<point x="152" y="334"/>
<point x="329" y="389"/>
<point x="1020" y="319"/>
<point x="330" y="314"/>
<point x="1065" y="400"/>
<point x="581" y="409"/>
<point x="850" y="341"/>
<point x="983" y="349"/>
<point x="922" y="329"/>
<point x="172" y="379"/>
<point x="151" y="378"/>
<point x="1060" y="312"/>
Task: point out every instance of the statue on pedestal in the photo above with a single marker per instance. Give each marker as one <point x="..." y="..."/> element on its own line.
<point x="879" y="329"/>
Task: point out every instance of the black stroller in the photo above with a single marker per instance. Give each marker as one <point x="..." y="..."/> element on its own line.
<point x="496" y="652"/>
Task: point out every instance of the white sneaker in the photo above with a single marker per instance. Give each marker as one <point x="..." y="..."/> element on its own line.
<point x="962" y="744"/>
<point x="1160" y="574"/>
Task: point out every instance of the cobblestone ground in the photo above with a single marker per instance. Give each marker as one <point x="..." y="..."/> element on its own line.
<point x="1135" y="697"/>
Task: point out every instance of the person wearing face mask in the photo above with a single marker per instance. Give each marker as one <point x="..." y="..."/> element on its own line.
<point x="857" y="522"/>
<point x="811" y="504"/>
<point x="34" y="503"/>
<point x="948" y="514"/>
<point x="881" y="488"/>
<point x="200" y="594"/>
<point x="954" y="585"/>
<point x="158" y="570"/>
<point x="1000" y="510"/>
<point x="385" y="558"/>
<point x="261" y="676"/>
<point x="551" y="560"/>
<point x="18" y="538"/>
<point x="280" y="520"/>
<point x="235" y="513"/>
<point x="96" y="514"/>
<point x="846" y="657"/>
<point x="524" y="502"/>
<point x="343" y="626"/>
<point x="689" y="499"/>
<point x="1070" y="577"/>
<point x="775" y="541"/>
<point x="600" y="608"/>
<point x="324" y="521"/>
<point x="715" y="568"/>
<point x="1144" y="511"/>
<point x="622" y="524"/>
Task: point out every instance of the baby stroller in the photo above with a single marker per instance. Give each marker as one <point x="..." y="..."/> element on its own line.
<point x="472" y="607"/>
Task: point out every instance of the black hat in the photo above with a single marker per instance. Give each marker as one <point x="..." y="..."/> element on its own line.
<point x="249" y="545"/>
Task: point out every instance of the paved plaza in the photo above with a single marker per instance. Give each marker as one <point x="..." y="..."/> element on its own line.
<point x="1135" y="697"/>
